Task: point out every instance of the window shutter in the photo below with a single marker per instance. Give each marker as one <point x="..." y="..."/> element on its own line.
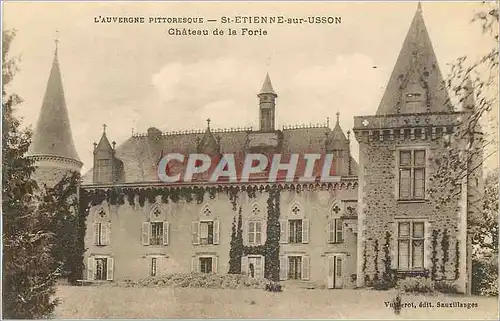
<point x="216" y="231"/>
<point x="331" y="231"/>
<point x="283" y="231"/>
<point x="109" y="274"/>
<point x="194" y="264"/>
<point x="283" y="268"/>
<point x="305" y="267"/>
<point x="245" y="231"/>
<point x="195" y="230"/>
<point x="214" y="264"/>
<point x="96" y="233"/>
<point x="107" y="234"/>
<point x="244" y="265"/>
<point x="90" y="268"/>
<point x="264" y="231"/>
<point x="166" y="233"/>
<point x="427" y="245"/>
<point x="263" y="263"/>
<point x="145" y="233"/>
<point x="305" y="231"/>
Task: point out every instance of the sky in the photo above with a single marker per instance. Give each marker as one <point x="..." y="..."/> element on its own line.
<point x="135" y="76"/>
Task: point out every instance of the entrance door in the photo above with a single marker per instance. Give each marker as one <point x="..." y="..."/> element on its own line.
<point x="335" y="272"/>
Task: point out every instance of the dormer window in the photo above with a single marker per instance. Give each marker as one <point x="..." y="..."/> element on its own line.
<point x="414" y="98"/>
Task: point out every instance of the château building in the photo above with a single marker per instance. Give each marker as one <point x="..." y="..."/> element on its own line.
<point x="378" y="216"/>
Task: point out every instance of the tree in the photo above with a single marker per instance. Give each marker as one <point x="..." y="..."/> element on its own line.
<point x="475" y="84"/>
<point x="62" y="202"/>
<point x="28" y="267"/>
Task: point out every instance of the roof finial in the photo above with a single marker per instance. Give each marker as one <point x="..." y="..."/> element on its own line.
<point x="56" y="40"/>
<point x="338" y="117"/>
<point x="208" y="123"/>
<point x="327" y="121"/>
<point x="104" y="128"/>
<point x="348" y="134"/>
<point x="419" y="7"/>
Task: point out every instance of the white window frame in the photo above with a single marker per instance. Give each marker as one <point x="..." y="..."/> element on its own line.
<point x="245" y="265"/>
<point x="254" y="232"/>
<point x="412" y="148"/>
<point x="410" y="238"/>
<point x="305" y="264"/>
<point x="196" y="232"/>
<point x="92" y="267"/>
<point x="147" y="229"/>
<point x="196" y="262"/>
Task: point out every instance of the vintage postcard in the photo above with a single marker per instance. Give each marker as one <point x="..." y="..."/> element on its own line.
<point x="333" y="160"/>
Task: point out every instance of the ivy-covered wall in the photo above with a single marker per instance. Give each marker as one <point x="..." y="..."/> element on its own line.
<point x="232" y="207"/>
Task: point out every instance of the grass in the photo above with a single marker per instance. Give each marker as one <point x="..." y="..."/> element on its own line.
<point x="106" y="301"/>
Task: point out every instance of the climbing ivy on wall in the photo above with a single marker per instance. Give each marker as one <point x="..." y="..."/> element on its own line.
<point x="270" y="250"/>
<point x="117" y="195"/>
<point x="445" y="244"/>
<point x="236" y="246"/>
<point x="457" y="260"/>
<point x="375" y="261"/>
<point x="434" y="259"/>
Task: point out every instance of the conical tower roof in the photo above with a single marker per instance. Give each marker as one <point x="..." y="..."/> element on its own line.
<point x="416" y="62"/>
<point x="337" y="132"/>
<point x="53" y="131"/>
<point x="267" y="87"/>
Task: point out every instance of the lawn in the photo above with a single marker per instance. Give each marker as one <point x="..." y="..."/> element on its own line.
<point x="107" y="301"/>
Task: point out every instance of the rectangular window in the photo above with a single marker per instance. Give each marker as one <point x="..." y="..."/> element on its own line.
<point x="101" y="269"/>
<point x="98" y="234"/>
<point x="205" y="264"/>
<point x="154" y="266"/>
<point x="339" y="236"/>
<point x="412" y="174"/>
<point x="206" y="232"/>
<point x="156" y="233"/>
<point x="295" y="267"/>
<point x="295" y="232"/>
<point x="255" y="233"/>
<point x="411" y="245"/>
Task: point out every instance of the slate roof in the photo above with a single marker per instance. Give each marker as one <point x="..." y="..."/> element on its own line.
<point x="141" y="153"/>
<point x="53" y="131"/>
<point x="416" y="60"/>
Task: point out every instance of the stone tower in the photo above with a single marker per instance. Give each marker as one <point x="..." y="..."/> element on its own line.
<point x="52" y="147"/>
<point x="267" y="106"/>
<point x="398" y="217"/>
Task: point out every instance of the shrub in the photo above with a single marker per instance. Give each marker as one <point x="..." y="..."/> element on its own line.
<point x="200" y="280"/>
<point x="416" y="285"/>
<point x="274" y="287"/>
<point x="388" y="281"/>
<point x="446" y="287"/>
<point x="484" y="276"/>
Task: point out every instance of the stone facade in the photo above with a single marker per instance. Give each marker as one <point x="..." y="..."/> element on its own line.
<point x="178" y="252"/>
